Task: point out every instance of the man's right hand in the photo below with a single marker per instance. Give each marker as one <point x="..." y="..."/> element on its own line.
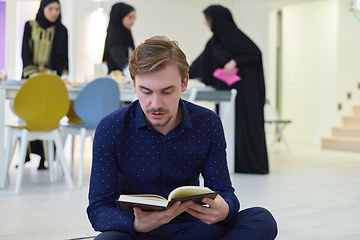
<point x="146" y="221"/>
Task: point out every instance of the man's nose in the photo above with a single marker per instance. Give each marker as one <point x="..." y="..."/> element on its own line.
<point x="156" y="101"/>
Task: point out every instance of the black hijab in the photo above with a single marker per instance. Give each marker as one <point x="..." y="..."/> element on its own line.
<point x="225" y="31"/>
<point x="59" y="52"/>
<point x="117" y="34"/>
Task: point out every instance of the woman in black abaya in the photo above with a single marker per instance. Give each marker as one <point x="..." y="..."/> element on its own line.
<point x="228" y="48"/>
<point x="45" y="48"/>
<point x="119" y="41"/>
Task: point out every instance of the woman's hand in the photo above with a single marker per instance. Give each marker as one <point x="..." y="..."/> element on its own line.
<point x="228" y="68"/>
<point x="66" y="81"/>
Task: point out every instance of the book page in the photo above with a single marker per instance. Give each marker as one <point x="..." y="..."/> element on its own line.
<point x="145" y="199"/>
<point x="188" y="191"/>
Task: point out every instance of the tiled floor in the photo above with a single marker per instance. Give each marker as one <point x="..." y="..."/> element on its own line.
<point x="313" y="194"/>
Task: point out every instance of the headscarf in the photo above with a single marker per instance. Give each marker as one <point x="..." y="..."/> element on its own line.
<point x="117" y="34"/>
<point x="40" y="16"/>
<point x="225" y="31"/>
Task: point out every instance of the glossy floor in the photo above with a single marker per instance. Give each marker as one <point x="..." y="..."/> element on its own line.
<point x="313" y="194"/>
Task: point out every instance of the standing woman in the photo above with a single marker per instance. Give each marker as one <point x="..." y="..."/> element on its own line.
<point x="45" y="42"/>
<point x="229" y="48"/>
<point x="45" y="48"/>
<point x="119" y="41"/>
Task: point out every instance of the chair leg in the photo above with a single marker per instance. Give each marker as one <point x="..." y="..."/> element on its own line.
<point x="46" y="150"/>
<point x="81" y="161"/>
<point x="14" y="142"/>
<point x="23" y="147"/>
<point x="64" y="135"/>
<point x="50" y="158"/>
<point x="72" y="154"/>
<point x="7" y="158"/>
<point x="62" y="160"/>
<point x="281" y="136"/>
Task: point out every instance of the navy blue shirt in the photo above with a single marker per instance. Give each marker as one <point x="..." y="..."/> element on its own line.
<point x="130" y="156"/>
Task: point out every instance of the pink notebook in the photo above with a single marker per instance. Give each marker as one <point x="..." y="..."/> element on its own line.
<point x="229" y="80"/>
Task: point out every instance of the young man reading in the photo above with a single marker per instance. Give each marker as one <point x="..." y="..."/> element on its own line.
<point x="161" y="142"/>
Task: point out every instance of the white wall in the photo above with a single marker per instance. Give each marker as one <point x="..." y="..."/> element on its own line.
<point x="271" y="60"/>
<point x="309" y="59"/>
<point x="348" y="60"/>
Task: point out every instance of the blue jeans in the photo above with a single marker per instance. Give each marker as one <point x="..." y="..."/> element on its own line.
<point x="252" y="223"/>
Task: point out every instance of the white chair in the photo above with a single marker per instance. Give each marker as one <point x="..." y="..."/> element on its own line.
<point x="41" y="102"/>
<point x="278" y="124"/>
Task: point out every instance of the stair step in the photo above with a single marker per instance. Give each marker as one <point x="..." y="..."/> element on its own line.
<point x="341" y="143"/>
<point x="356" y="110"/>
<point x="346" y="131"/>
<point x="351" y="120"/>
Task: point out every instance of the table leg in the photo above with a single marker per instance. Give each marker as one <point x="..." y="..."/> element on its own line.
<point x="229" y="131"/>
<point x="2" y="136"/>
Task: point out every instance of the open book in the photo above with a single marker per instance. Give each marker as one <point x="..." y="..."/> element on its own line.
<point x="151" y="202"/>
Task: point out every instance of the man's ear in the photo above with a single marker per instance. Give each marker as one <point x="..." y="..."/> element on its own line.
<point x="133" y="84"/>
<point x="185" y="83"/>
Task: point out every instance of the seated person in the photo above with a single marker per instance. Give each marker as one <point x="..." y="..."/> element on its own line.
<point x="160" y="142"/>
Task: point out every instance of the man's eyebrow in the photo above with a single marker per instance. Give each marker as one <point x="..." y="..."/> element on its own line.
<point x="170" y="87"/>
<point x="144" y="88"/>
<point x="164" y="89"/>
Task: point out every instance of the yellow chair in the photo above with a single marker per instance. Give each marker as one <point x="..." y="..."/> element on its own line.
<point x="72" y="116"/>
<point x="41" y="102"/>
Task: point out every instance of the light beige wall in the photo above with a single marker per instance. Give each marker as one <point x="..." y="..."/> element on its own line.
<point x="271" y="66"/>
<point x="348" y="60"/>
<point x="309" y="69"/>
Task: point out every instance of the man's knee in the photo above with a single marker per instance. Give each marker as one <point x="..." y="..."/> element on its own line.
<point x="262" y="219"/>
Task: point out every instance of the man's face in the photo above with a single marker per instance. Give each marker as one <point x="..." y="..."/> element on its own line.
<point x="159" y="94"/>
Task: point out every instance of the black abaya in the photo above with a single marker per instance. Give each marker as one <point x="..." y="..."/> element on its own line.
<point x="227" y="43"/>
<point x="118" y="39"/>
<point x="59" y="60"/>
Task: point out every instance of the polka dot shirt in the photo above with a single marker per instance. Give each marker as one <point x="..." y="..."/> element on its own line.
<point x="130" y="156"/>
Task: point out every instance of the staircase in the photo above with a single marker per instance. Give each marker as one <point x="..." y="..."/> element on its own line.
<point x="347" y="137"/>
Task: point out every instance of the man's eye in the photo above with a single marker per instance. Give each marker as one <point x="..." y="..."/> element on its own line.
<point x="167" y="92"/>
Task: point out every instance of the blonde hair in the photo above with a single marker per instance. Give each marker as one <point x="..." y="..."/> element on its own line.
<point x="154" y="54"/>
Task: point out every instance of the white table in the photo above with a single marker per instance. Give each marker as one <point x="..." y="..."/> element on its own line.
<point x="9" y="91"/>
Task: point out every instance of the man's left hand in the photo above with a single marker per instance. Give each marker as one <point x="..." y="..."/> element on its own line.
<point x="215" y="211"/>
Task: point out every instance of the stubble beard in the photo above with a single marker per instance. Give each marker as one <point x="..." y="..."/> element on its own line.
<point x="158" y="124"/>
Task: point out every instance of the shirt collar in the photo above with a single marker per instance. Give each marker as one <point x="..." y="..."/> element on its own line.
<point x="140" y="119"/>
